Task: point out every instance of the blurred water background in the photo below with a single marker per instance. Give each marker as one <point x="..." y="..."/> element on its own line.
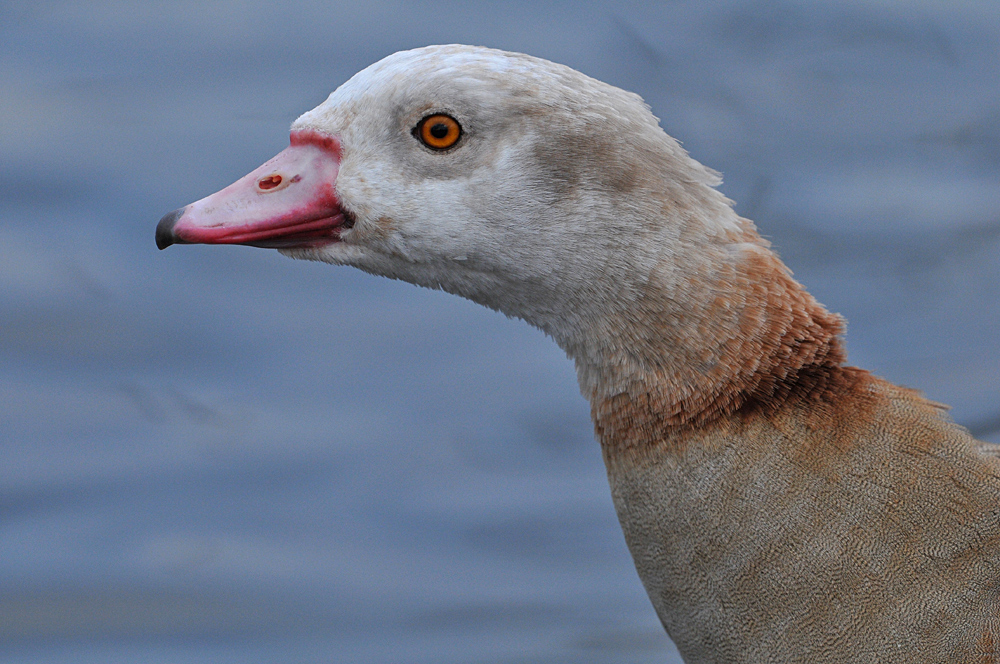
<point x="216" y="454"/>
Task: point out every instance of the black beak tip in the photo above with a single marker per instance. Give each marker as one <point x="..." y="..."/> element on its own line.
<point x="165" y="229"/>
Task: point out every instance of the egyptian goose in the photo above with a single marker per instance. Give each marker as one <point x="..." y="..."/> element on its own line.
<point x="779" y="505"/>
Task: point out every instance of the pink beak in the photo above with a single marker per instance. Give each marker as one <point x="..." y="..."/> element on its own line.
<point x="290" y="201"/>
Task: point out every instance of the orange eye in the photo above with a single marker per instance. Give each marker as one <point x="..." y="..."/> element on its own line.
<point x="439" y="132"/>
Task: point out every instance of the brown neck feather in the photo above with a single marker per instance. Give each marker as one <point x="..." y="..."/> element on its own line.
<point x="778" y="346"/>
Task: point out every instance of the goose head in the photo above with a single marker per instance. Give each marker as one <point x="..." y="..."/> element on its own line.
<point x="518" y="183"/>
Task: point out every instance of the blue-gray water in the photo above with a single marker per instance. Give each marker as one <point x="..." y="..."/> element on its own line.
<point x="216" y="454"/>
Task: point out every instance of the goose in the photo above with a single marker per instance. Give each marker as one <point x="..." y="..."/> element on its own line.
<point x="779" y="505"/>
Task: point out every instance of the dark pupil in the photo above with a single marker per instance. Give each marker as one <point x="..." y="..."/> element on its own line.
<point x="439" y="130"/>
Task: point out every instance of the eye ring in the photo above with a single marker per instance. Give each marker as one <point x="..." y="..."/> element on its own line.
<point x="438" y="131"/>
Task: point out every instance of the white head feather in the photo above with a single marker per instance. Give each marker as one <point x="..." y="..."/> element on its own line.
<point x="561" y="202"/>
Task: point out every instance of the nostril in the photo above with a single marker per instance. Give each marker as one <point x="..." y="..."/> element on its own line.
<point x="270" y="182"/>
